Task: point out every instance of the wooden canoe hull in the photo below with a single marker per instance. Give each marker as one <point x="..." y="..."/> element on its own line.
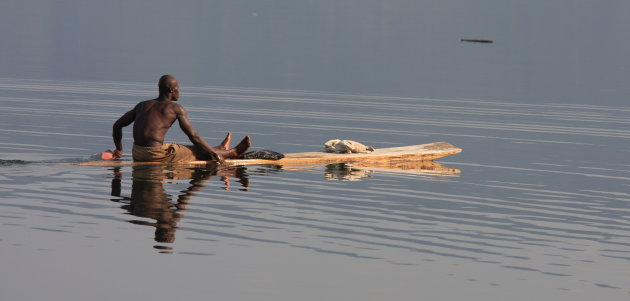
<point x="392" y="155"/>
<point x="423" y="152"/>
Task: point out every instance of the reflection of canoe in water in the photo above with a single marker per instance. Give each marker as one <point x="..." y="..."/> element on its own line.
<point x="357" y="170"/>
<point x="392" y="155"/>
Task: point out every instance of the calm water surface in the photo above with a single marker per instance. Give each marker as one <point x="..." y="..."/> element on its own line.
<point x="537" y="207"/>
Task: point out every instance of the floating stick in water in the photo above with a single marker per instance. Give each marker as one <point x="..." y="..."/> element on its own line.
<point x="477" y="41"/>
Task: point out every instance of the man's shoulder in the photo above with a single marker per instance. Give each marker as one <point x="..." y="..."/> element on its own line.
<point x="144" y="102"/>
<point x="178" y="108"/>
<point x="153" y="102"/>
<point x="170" y="107"/>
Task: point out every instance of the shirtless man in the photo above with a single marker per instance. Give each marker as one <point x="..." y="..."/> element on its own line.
<point x="152" y="120"/>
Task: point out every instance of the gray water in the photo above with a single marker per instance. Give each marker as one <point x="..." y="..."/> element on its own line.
<point x="536" y="207"/>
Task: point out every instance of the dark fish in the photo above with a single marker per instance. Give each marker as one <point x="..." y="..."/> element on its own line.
<point x="263" y="154"/>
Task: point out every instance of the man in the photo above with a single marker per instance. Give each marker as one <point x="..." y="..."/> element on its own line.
<point x="152" y="120"/>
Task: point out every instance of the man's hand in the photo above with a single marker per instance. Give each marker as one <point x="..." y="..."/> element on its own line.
<point x="218" y="158"/>
<point x="117" y="153"/>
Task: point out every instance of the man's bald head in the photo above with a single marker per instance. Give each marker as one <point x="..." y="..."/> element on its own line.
<point x="167" y="85"/>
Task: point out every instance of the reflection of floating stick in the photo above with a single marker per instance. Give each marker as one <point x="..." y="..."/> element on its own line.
<point x="477" y="41"/>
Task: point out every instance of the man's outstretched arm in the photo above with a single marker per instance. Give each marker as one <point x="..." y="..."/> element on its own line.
<point x="195" y="138"/>
<point x="122" y="122"/>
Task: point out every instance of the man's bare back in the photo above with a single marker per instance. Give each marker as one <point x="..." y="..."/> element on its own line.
<point x="153" y="118"/>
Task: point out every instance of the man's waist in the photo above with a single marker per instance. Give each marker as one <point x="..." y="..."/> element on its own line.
<point x="150" y="147"/>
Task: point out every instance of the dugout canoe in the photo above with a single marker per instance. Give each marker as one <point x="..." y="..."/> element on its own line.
<point x="392" y="155"/>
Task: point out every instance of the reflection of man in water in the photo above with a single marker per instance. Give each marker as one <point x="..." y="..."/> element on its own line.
<point x="149" y="198"/>
<point x="153" y="118"/>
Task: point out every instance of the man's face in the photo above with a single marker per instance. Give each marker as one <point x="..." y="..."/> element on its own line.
<point x="175" y="91"/>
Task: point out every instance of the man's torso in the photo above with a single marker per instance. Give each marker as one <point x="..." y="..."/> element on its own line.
<point x="153" y="119"/>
